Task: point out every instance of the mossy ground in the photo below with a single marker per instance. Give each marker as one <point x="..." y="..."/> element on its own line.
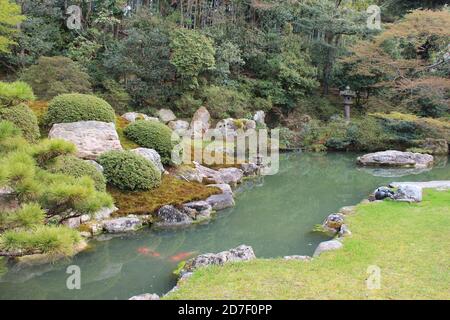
<point x="126" y="143"/>
<point x="408" y="242"/>
<point x="172" y="191"/>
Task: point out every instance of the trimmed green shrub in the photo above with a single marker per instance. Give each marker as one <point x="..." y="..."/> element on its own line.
<point x="22" y="116"/>
<point x="75" y="167"/>
<point x="52" y="76"/>
<point x="15" y="92"/>
<point x="153" y="135"/>
<point x="78" y="107"/>
<point x="129" y="171"/>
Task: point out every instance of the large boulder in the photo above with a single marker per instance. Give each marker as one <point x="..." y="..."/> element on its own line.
<point x="221" y="201"/>
<point x="333" y="222"/>
<point x="209" y="176"/>
<point x="327" y="246"/>
<point x="226" y="128"/>
<point x="202" y="209"/>
<point x="408" y="193"/>
<point x="170" y="216"/>
<point x="133" y="116"/>
<point x="435" y="146"/>
<point x="222" y="186"/>
<point x="179" y="126"/>
<point x="166" y="115"/>
<point x="188" y="174"/>
<point x="119" y="225"/>
<point x="200" y="121"/>
<point x="259" y="117"/>
<point x="250" y="169"/>
<point x="393" y="158"/>
<point x="152" y="156"/>
<point x="231" y="176"/>
<point x="92" y="138"/>
<point x="441" y="185"/>
<point x="241" y="253"/>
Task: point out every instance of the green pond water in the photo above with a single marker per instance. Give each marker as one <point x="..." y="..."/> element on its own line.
<point x="274" y="214"/>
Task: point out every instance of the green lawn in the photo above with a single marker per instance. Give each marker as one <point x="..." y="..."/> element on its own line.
<point x="409" y="242"/>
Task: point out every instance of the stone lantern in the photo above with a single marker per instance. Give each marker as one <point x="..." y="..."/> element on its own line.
<point x="348" y="101"/>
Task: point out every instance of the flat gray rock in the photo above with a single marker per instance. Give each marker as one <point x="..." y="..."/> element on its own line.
<point x="152" y="156"/>
<point x="327" y="246"/>
<point x="393" y="158"/>
<point x="119" y="225"/>
<point x="444" y="184"/>
<point x="241" y="253"/>
<point x="92" y="138"/>
<point x="221" y="201"/>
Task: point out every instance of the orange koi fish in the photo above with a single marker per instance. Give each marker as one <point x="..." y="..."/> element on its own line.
<point x="181" y="256"/>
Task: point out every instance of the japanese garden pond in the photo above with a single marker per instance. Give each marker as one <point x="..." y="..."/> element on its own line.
<point x="274" y="214"/>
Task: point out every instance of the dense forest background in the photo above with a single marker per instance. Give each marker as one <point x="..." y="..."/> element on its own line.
<point x="287" y="58"/>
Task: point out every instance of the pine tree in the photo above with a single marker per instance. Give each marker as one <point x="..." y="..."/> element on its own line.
<point x="9" y="18"/>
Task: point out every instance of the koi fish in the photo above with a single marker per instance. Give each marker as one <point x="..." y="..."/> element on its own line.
<point x="181" y="256"/>
<point x="147" y="252"/>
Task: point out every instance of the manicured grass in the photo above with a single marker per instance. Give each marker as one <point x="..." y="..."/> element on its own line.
<point x="172" y="191"/>
<point x="409" y="242"/>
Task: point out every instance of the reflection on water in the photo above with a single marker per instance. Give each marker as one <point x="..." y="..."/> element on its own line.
<point x="274" y="214"/>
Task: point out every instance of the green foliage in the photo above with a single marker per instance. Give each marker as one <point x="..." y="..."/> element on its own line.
<point x="41" y="239"/>
<point x="224" y="102"/>
<point x="289" y="139"/>
<point x="53" y="76"/>
<point x="49" y="149"/>
<point x="153" y="135"/>
<point x="129" y="171"/>
<point x="9" y="18"/>
<point x="20" y="175"/>
<point x="24" y="119"/>
<point x="10" y="137"/>
<point x="192" y="54"/>
<point x="15" y="92"/>
<point x="432" y="107"/>
<point x="78" y="107"/>
<point x="64" y="194"/>
<point x="75" y="167"/>
<point x="144" y="54"/>
<point x="29" y="215"/>
<point x="186" y="105"/>
<point x="115" y="95"/>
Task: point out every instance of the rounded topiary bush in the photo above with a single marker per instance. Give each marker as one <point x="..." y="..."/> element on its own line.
<point x="129" y="171"/>
<point x="75" y="167"/>
<point x="75" y="107"/>
<point x="24" y="119"/>
<point x="153" y="135"/>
